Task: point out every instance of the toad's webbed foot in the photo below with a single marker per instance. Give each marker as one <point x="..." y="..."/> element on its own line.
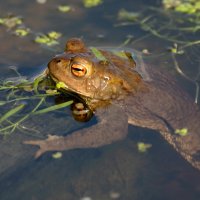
<point x="43" y="144"/>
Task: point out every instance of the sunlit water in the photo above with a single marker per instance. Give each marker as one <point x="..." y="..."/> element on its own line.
<point x="117" y="171"/>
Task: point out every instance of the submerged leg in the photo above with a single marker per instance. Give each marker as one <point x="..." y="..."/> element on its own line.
<point x="112" y="126"/>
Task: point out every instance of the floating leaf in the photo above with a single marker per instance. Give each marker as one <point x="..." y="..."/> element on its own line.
<point x="1" y="21"/>
<point x="50" y="91"/>
<point x="2" y="103"/>
<point x="57" y="155"/>
<point x="54" y="35"/>
<point x="91" y="3"/>
<point x="174" y="49"/>
<point x="50" y="39"/>
<point x="22" y="32"/>
<point x="183" y="6"/>
<point x="186" y="8"/>
<point x="182" y="132"/>
<point x="52" y="108"/>
<point x="42" y="39"/>
<point x="98" y="54"/>
<point x="11" y="112"/>
<point x="11" y="21"/>
<point x="170" y="3"/>
<point x="61" y="85"/>
<point x="143" y="147"/>
<point x="64" y="9"/>
<point x="41" y="1"/>
<point x="127" y="16"/>
<point x="121" y="54"/>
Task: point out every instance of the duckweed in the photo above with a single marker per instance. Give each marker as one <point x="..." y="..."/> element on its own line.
<point x="64" y="9"/>
<point x="57" y="155"/>
<point x="11" y="21"/>
<point x="183" y="6"/>
<point x="143" y="147"/>
<point x="182" y="132"/>
<point x="48" y="39"/>
<point x="91" y="3"/>
<point x="22" y="32"/>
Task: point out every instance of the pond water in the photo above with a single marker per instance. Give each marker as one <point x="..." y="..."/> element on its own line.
<point x="116" y="171"/>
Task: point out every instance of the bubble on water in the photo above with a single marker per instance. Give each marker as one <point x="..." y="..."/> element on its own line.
<point x="114" y="195"/>
<point x="86" y="198"/>
<point x="41" y="1"/>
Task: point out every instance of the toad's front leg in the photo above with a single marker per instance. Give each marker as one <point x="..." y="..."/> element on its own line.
<point x="112" y="126"/>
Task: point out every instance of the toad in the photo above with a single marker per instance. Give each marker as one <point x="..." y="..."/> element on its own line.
<point x="120" y="90"/>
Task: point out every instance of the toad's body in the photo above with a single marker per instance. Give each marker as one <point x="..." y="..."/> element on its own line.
<point x="122" y="90"/>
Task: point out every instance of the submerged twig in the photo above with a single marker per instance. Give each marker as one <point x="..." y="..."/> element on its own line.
<point x="179" y="70"/>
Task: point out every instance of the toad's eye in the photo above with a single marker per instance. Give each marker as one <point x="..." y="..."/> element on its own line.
<point x="81" y="67"/>
<point x="78" y="69"/>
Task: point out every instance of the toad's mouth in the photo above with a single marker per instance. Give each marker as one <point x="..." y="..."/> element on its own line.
<point x="66" y="88"/>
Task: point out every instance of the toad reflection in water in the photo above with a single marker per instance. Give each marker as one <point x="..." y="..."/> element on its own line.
<point x="121" y="90"/>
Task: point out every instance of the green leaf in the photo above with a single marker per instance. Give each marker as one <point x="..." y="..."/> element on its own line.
<point x="98" y="54"/>
<point x="11" y="21"/>
<point x="50" y="91"/>
<point x="143" y="147"/>
<point x="61" y="85"/>
<point x="52" y="108"/>
<point x="57" y="155"/>
<point x="186" y="8"/>
<point x="11" y="112"/>
<point x="64" y="9"/>
<point x="127" y="16"/>
<point x="2" y="103"/>
<point x="22" y="32"/>
<point x="36" y="82"/>
<point x="182" y="132"/>
<point x="54" y="35"/>
<point x="49" y="39"/>
<point x="2" y="21"/>
<point x="91" y="3"/>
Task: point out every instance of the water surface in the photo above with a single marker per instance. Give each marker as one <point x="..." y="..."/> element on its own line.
<point x="117" y="171"/>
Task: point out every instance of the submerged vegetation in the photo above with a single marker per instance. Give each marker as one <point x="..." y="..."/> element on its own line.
<point x="18" y="99"/>
<point x="168" y="23"/>
<point x="176" y="22"/>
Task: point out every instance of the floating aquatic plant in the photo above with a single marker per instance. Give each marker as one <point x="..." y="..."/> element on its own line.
<point x="183" y="6"/>
<point x="128" y="15"/>
<point x="170" y="23"/>
<point x="48" y="39"/>
<point x="16" y="26"/>
<point x="22" y="32"/>
<point x="57" y="155"/>
<point x="182" y="132"/>
<point x="163" y="24"/>
<point x="64" y="8"/>
<point x="143" y="147"/>
<point x="11" y="21"/>
<point x="91" y="3"/>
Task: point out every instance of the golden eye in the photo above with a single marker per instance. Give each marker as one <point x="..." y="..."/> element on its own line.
<point x="78" y="69"/>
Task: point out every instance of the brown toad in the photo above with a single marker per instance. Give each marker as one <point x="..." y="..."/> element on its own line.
<point x="121" y="90"/>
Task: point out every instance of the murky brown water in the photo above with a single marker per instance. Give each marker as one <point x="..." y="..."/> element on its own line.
<point x="117" y="171"/>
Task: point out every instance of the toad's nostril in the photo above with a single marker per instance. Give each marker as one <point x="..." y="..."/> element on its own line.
<point x="58" y="60"/>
